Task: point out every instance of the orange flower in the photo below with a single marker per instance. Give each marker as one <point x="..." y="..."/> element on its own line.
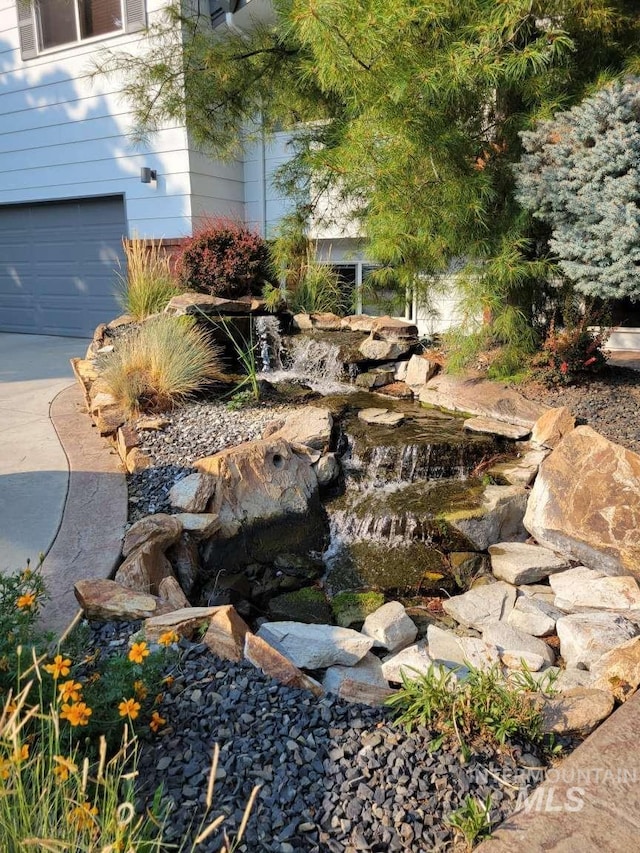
<point x="129" y="708"/>
<point x="156" y="721"/>
<point x="82" y="816"/>
<point x="168" y="638"/>
<point x="70" y="691"/>
<point x="140" y="689"/>
<point x="21" y="753"/>
<point x="77" y="715"/>
<point x="5" y="768"/>
<point x="26" y="601"/>
<point x="168" y="680"/>
<point x="59" y="667"/>
<point x="138" y="652"/>
<point x="63" y="767"/>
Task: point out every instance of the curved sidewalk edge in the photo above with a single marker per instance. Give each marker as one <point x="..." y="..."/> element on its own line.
<point x="88" y="541"/>
<point x="590" y="802"/>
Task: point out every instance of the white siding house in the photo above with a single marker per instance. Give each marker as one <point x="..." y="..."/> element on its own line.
<point x="70" y="178"/>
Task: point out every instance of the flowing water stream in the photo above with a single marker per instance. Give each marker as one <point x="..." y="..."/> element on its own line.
<point x="390" y="523"/>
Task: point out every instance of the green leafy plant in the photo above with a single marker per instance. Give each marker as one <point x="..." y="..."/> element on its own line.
<point x="572" y="352"/>
<point x="160" y="364"/>
<point x="54" y="797"/>
<point x="245" y="351"/>
<point x="472" y="820"/>
<point x="477" y="707"/>
<point x="148" y="284"/>
<point x="225" y="258"/>
<point x="21" y="595"/>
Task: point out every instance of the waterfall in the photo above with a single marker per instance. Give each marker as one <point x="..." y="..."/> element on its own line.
<point x="269" y="343"/>
<point x="317" y="363"/>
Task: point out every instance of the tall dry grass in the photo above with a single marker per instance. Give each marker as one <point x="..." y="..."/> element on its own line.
<point x="160" y="364"/>
<point x="148" y="284"/>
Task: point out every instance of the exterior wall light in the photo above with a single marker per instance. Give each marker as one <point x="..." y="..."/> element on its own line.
<point x="147" y="175"/>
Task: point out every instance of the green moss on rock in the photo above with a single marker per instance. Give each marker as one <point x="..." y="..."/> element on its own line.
<point x="350" y="608"/>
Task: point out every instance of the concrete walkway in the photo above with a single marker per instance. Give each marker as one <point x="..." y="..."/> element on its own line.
<point x="33" y="466"/>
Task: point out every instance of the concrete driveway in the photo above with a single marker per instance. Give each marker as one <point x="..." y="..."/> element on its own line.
<point x="34" y="472"/>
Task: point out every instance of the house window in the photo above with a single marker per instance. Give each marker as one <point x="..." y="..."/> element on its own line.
<point x="46" y="24"/>
<point x="64" y="21"/>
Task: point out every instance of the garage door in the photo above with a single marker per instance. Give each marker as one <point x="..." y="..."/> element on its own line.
<point x="57" y="262"/>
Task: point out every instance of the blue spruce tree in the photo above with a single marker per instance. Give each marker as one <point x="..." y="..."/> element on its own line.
<point x="580" y="173"/>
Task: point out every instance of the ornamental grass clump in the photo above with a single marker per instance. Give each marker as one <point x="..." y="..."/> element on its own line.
<point x="149" y="283"/>
<point x="475" y="709"/>
<point x="160" y="364"/>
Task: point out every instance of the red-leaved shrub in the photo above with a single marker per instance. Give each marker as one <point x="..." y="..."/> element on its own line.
<point x="225" y="258"/>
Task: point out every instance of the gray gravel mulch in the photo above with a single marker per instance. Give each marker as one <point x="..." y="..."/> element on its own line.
<point x="610" y="403"/>
<point x="334" y="776"/>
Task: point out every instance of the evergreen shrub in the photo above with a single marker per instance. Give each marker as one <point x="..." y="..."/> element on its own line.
<point x="580" y="174"/>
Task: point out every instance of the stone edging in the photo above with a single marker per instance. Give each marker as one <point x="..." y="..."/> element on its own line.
<point x="89" y="538"/>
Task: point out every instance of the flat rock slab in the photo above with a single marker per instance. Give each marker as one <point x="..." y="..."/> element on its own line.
<point x="585" y="503"/>
<point x="523" y="471"/>
<point x="492" y="426"/>
<point x="583" y="589"/>
<point x="586" y="637"/>
<point x="100" y="598"/>
<point x="202" y="303"/>
<point x="316" y="646"/>
<point x="520" y="563"/>
<point x="380" y="417"/>
<point x="184" y="622"/>
<point x="476" y="396"/>
<point x="481" y="605"/>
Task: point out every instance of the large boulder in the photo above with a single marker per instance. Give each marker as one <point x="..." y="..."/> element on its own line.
<point x="454" y="650"/>
<point x="259" y="481"/>
<point x="585" y="503"/>
<point x="310" y="426"/>
<point x="477" y="396"/>
<point x="419" y="371"/>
